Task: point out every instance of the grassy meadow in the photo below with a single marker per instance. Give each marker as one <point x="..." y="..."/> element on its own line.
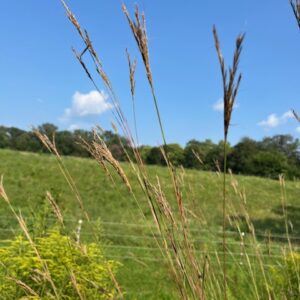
<point x="75" y="228"/>
<point x="119" y="224"/>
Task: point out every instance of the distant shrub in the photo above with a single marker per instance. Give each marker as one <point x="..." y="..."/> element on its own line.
<point x="77" y="271"/>
<point x="269" y="164"/>
<point x="287" y="277"/>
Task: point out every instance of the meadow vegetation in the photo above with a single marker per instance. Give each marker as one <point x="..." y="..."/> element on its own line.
<point x="127" y="237"/>
<point x="133" y="231"/>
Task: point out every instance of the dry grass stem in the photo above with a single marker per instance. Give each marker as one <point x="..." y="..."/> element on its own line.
<point x="2" y="191"/>
<point x="296" y="9"/>
<point x="139" y="32"/>
<point x="55" y="207"/>
<point x="27" y="289"/>
<point x="230" y="90"/>
<point x="194" y="274"/>
<point x="89" y="47"/>
<point x="76" y="286"/>
<point x="132" y="67"/>
<point x="231" y="85"/>
<point x="138" y="29"/>
<point x="99" y="150"/>
<point x="53" y="150"/>
<point x="296" y="116"/>
<point x="117" y="111"/>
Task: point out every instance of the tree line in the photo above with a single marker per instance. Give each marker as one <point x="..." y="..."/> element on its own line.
<point x="279" y="154"/>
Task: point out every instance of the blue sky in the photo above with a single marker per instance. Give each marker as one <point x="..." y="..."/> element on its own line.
<point x="42" y="82"/>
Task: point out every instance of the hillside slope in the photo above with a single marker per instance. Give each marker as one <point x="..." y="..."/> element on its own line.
<point x="28" y="176"/>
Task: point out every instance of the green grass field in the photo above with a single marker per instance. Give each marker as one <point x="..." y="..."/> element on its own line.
<point x="124" y="231"/>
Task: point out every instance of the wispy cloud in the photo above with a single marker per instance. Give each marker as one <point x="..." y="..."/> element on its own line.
<point x="219" y="105"/>
<point x="298" y="129"/>
<point x="273" y="120"/>
<point x="84" y="105"/>
<point x="73" y="127"/>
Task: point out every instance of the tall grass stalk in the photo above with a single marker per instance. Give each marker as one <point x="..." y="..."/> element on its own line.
<point x="132" y="67"/>
<point x="139" y="32"/>
<point x="230" y="90"/>
<point x="295" y="4"/>
<point x="195" y="275"/>
<point x="176" y="243"/>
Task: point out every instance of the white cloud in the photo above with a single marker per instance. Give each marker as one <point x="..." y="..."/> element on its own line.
<point x="90" y="104"/>
<point x="219" y="105"/>
<point x="73" y="127"/>
<point x="273" y="120"/>
<point x="288" y="115"/>
<point x="298" y="129"/>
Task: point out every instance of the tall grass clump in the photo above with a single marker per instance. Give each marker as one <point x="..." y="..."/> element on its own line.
<point x="196" y="272"/>
<point x="231" y="261"/>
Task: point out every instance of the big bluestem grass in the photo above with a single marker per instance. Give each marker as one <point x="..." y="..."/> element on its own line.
<point x="199" y="272"/>
<point x="174" y="243"/>
<point x="231" y="82"/>
<point x="195" y="276"/>
<point x="138" y="28"/>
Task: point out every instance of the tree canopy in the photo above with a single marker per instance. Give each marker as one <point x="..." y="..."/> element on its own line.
<point x="279" y="154"/>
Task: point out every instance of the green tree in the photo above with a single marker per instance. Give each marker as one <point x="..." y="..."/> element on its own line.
<point x="27" y="141"/>
<point x="144" y="152"/>
<point x="215" y="157"/>
<point x="5" y="137"/>
<point x="196" y="148"/>
<point x="48" y="129"/>
<point x="240" y="158"/>
<point x="155" y="156"/>
<point x="283" y="143"/>
<point x="65" y="142"/>
<point x="269" y="164"/>
<point x="175" y="154"/>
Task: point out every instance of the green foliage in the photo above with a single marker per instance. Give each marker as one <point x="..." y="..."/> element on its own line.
<point x="74" y="269"/>
<point x="269" y="164"/>
<point x="144" y="152"/>
<point x="27" y="176"/>
<point x="244" y="158"/>
<point x="175" y="153"/>
<point x="216" y="156"/>
<point x="201" y="149"/>
<point x="155" y="157"/>
<point x="286" y="278"/>
<point x="240" y="159"/>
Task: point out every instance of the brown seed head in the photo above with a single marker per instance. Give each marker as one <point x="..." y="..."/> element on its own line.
<point x="138" y="29"/>
<point x="231" y="84"/>
<point x="132" y="67"/>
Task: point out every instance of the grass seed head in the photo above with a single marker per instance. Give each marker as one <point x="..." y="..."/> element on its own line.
<point x="139" y="31"/>
<point x="132" y="67"/>
<point x="296" y="10"/>
<point x="231" y="84"/>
